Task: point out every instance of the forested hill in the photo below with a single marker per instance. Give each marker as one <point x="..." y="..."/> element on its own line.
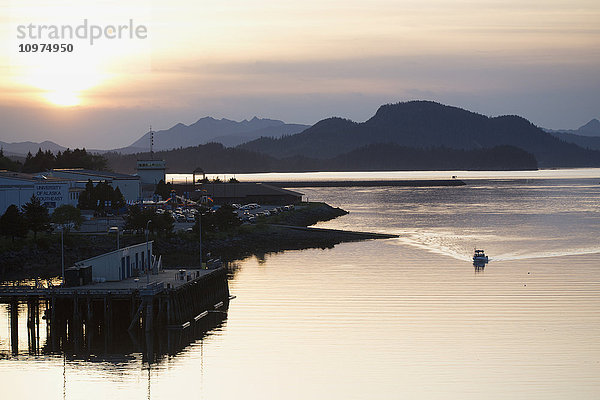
<point x="215" y="158"/>
<point x="425" y="124"/>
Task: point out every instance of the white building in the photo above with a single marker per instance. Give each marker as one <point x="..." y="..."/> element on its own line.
<point x="120" y="264"/>
<point x="129" y="185"/>
<point x="17" y="188"/>
<point x="151" y="171"/>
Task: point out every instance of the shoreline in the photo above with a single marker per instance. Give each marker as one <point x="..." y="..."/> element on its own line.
<point x="29" y="260"/>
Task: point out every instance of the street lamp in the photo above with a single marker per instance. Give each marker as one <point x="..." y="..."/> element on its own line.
<point x="147" y="253"/>
<point x="62" y="255"/>
<point x="200" y="234"/>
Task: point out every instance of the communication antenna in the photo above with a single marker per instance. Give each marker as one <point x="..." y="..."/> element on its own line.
<point x="151" y="143"/>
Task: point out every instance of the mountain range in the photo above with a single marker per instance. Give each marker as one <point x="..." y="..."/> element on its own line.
<point x="20" y="149"/>
<point x="586" y="136"/>
<point x="439" y="134"/>
<point x="206" y="130"/>
<point x="423" y="125"/>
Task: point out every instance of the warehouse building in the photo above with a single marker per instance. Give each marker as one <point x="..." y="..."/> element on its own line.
<point x="121" y="264"/>
<point x="245" y="192"/>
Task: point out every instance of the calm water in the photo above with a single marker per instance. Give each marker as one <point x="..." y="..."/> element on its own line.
<point x="387" y="319"/>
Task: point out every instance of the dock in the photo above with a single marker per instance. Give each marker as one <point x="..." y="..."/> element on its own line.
<point x="170" y="300"/>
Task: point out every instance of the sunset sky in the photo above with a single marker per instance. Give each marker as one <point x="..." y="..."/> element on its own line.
<point x="295" y="61"/>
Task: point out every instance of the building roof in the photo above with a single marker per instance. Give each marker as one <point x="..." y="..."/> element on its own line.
<point x="33" y="178"/>
<point x="244" y="189"/>
<point x="120" y="250"/>
<point x="89" y="172"/>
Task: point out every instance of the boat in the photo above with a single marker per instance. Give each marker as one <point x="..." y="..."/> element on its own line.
<point x="479" y="256"/>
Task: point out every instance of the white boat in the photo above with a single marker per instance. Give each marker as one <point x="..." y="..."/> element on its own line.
<point x="479" y="256"/>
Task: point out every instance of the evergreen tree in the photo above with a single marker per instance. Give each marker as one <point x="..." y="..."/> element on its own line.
<point x="12" y="223"/>
<point x="36" y="216"/>
<point x="85" y="198"/>
<point x="163" y="189"/>
<point x="8" y="164"/>
<point x="100" y="197"/>
<point x="137" y="219"/>
<point x="67" y="216"/>
<point x="117" y="199"/>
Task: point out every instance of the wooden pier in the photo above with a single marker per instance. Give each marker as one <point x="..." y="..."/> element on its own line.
<point x="172" y="300"/>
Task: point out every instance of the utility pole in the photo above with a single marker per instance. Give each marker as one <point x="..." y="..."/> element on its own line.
<point x="62" y="254"/>
<point x="147" y="253"/>
<point x="200" y="235"/>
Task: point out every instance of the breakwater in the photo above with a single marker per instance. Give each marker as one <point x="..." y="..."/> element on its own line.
<point x="338" y="183"/>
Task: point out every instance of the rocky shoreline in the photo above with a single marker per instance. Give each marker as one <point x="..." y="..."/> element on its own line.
<point x="26" y="260"/>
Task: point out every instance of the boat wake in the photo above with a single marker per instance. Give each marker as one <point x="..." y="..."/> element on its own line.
<point x="548" y="254"/>
<point x="460" y="247"/>
<point x="445" y="244"/>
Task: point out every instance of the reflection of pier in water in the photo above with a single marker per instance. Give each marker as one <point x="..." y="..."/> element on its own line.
<point x="99" y="345"/>
<point x="154" y="319"/>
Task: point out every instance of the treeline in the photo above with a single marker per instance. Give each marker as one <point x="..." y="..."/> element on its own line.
<point x="33" y="216"/>
<point x="379" y="157"/>
<point x="216" y="158"/>
<point x="46" y="160"/>
<point x="8" y="164"/>
<point x="101" y="197"/>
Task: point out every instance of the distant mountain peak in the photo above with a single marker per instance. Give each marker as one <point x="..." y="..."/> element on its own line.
<point x="208" y="129"/>
<point x="592" y="128"/>
<point x="594" y="124"/>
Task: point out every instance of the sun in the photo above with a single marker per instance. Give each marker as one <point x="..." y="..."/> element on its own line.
<point x="62" y="84"/>
<point x="63" y="98"/>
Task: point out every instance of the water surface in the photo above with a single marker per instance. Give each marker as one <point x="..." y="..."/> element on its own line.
<point x="384" y="319"/>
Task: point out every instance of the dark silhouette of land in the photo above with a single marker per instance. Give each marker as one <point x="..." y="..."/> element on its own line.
<point x="423" y="125"/>
<point x="216" y="158"/>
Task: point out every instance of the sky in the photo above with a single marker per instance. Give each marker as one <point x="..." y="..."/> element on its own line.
<point x="295" y="61"/>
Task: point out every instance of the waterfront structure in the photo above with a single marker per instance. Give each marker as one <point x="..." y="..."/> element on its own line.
<point x="17" y="188"/>
<point x="245" y="192"/>
<point x="176" y="300"/>
<point x="122" y="263"/>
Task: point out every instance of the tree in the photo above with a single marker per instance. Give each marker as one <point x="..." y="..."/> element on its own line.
<point x="138" y="218"/>
<point x="80" y="159"/>
<point x="42" y="161"/>
<point x="8" y="164"/>
<point x="36" y="216"/>
<point x="117" y="199"/>
<point x="67" y="216"/>
<point x="163" y="223"/>
<point x="163" y="189"/>
<point x="12" y="223"/>
<point x="100" y="197"/>
<point x="85" y="198"/>
<point x="223" y="219"/>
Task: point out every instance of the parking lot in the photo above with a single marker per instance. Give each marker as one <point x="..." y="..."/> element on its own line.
<point x="184" y="217"/>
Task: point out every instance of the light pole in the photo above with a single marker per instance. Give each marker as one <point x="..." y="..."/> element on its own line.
<point x="62" y="254"/>
<point x="200" y="234"/>
<point x="147" y="253"/>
